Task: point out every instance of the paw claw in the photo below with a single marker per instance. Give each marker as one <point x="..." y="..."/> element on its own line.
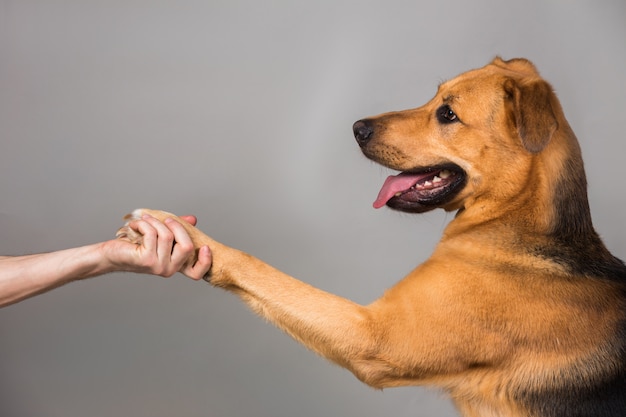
<point x="128" y="234"/>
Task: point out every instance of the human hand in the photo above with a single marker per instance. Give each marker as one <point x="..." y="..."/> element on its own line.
<point x="164" y="250"/>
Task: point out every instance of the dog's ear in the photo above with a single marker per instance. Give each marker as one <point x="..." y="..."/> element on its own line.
<point x="531" y="111"/>
<point x="521" y="65"/>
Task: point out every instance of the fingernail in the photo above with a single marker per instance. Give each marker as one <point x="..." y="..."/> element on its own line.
<point x="146" y="216"/>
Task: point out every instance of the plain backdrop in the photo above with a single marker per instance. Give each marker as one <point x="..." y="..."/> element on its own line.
<point x="240" y="112"/>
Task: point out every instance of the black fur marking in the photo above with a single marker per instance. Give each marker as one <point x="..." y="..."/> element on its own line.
<point x="574" y="243"/>
<point x="604" y="399"/>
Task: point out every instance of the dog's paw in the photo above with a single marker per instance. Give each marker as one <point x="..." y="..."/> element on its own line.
<point x="198" y="238"/>
<point x="128" y="234"/>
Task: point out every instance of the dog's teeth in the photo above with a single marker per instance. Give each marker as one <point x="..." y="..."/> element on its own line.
<point x="398" y="194"/>
<point x="428" y="184"/>
<point x="436" y="180"/>
<point x="445" y="174"/>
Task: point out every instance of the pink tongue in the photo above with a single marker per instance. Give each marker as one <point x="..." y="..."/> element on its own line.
<point x="395" y="184"/>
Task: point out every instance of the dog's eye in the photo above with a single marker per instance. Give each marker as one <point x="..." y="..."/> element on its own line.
<point x="446" y="115"/>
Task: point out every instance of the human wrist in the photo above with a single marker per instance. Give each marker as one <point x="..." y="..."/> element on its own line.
<point x="99" y="260"/>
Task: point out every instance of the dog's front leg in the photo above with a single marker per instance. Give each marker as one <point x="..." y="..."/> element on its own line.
<point x="334" y="327"/>
<point x="342" y="331"/>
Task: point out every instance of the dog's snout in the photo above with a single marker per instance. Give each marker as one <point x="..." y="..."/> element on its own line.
<point x="363" y="132"/>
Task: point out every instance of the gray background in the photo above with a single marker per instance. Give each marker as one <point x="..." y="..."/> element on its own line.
<point x="241" y="113"/>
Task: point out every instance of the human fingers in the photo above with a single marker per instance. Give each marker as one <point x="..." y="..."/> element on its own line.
<point x="183" y="248"/>
<point x="192" y="220"/>
<point x="165" y="242"/>
<point x="148" y="232"/>
<point x="201" y="267"/>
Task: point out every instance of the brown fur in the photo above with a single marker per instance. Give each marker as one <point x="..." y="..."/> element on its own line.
<point x="520" y="310"/>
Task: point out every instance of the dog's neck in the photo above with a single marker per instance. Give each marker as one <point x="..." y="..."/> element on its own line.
<point x="550" y="198"/>
<point x="552" y="211"/>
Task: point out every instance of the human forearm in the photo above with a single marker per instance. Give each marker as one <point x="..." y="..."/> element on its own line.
<point x="166" y="249"/>
<point x="24" y="276"/>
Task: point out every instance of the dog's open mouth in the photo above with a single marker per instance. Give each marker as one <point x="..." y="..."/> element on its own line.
<point x="421" y="190"/>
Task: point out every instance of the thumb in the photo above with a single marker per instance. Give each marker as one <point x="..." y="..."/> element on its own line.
<point x="192" y="220"/>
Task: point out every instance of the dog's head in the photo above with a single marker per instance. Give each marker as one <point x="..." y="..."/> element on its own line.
<point x="477" y="137"/>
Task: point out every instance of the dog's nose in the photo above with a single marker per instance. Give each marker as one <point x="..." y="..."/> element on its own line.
<point x="363" y="132"/>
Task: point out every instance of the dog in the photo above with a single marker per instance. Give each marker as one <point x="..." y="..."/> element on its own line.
<point x="520" y="310"/>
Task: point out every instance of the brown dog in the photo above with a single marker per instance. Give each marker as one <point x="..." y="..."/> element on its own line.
<point x="521" y="310"/>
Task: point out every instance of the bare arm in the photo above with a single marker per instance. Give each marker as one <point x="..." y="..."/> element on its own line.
<point x="164" y="251"/>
